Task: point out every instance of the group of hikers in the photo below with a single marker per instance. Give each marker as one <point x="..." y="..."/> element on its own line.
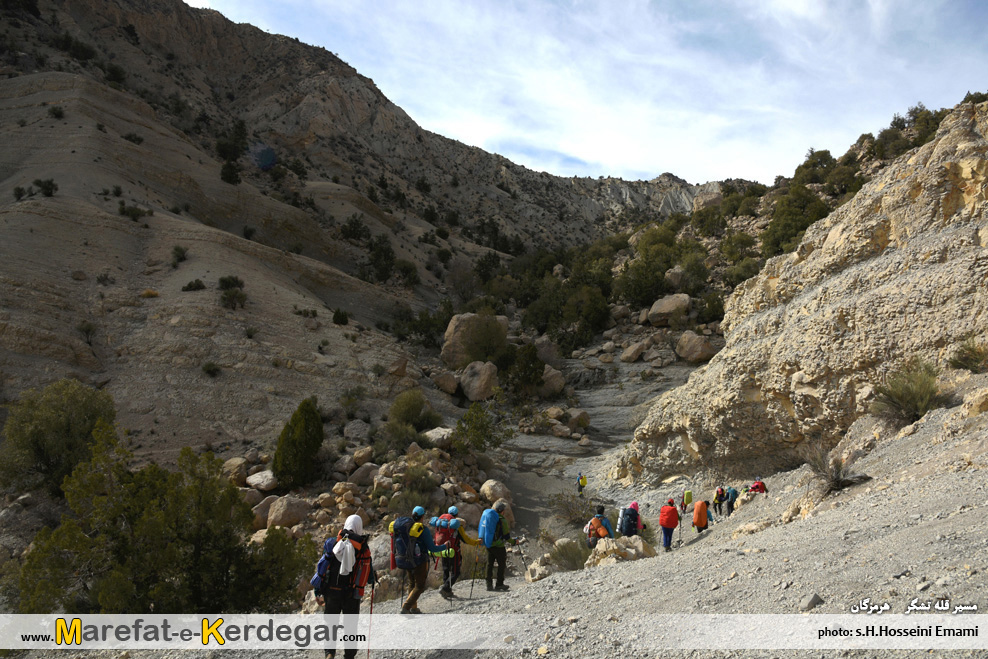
<point x="670" y="515"/>
<point x="346" y="567"/>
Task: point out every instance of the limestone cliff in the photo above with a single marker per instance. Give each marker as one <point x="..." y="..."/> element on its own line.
<point x="898" y="271"/>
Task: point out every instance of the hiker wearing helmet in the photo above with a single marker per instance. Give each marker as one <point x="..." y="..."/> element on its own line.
<point x="342" y="574"/>
<point x="668" y="520"/>
<point x="720" y="496"/>
<point x="598" y="527"/>
<point x="701" y="516"/>
<point x="411" y="545"/>
<point x="450" y="529"/>
<point x="496" y="533"/>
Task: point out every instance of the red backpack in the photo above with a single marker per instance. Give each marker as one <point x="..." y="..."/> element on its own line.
<point x="446" y="530"/>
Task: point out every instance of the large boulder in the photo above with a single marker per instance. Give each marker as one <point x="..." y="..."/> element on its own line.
<point x="891" y="274"/>
<point x="479" y="380"/>
<point x="263" y="481"/>
<point x="446" y="382"/>
<point x="609" y="551"/>
<point x="235" y="469"/>
<point x="363" y="455"/>
<point x="470" y="513"/>
<point x="261" y="512"/>
<point x="345" y="465"/>
<point x="288" y="511"/>
<point x="547" y="351"/>
<point x="440" y="437"/>
<point x="669" y="309"/>
<point x="365" y="473"/>
<point x="493" y="490"/>
<point x="633" y="352"/>
<point x="695" y="348"/>
<point x="461" y="327"/>
<point x="553" y="382"/>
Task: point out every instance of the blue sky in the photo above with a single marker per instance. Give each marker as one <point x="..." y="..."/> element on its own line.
<point x="704" y="90"/>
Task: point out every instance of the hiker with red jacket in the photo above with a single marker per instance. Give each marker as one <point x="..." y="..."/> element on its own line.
<point x="669" y="521"/>
<point x="449" y="530"/>
<point x="758" y="487"/>
<point x="342" y="574"/>
<point x="701" y="516"/>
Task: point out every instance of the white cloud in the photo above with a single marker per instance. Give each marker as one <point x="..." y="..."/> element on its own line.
<point x="637" y="88"/>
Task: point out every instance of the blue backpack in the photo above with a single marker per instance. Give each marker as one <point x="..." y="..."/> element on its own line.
<point x="324" y="564"/>
<point x="490" y="527"/>
<point x="405" y="551"/>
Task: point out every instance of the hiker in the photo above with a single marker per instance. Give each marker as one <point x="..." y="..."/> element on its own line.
<point x="495" y="533"/>
<point x="720" y="496"/>
<point x="701" y="516"/>
<point x="598" y="527"/>
<point x="581" y="482"/>
<point x="669" y="521"/>
<point x="342" y="574"/>
<point x="630" y="521"/>
<point x="411" y="544"/>
<point x="732" y="497"/>
<point x="449" y="530"/>
<point x="758" y="487"/>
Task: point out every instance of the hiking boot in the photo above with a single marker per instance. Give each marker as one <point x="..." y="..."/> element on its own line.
<point x="490" y="586"/>
<point x="416" y="610"/>
<point x="502" y="587"/>
<point x="668" y="548"/>
<point x="447" y="593"/>
<point x="404" y="610"/>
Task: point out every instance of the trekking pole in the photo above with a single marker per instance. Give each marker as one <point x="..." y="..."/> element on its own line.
<point x="370" y="621"/>
<point x="473" y="577"/>
<point x="401" y="600"/>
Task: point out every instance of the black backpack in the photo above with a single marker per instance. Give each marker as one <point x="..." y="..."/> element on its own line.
<point x="628" y="521"/>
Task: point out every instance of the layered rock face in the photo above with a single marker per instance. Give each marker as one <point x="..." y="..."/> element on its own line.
<point x="898" y="271"/>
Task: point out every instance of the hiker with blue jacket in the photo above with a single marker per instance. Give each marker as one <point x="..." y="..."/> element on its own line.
<point x="495" y="534"/>
<point x="417" y="539"/>
<point x="341" y="575"/>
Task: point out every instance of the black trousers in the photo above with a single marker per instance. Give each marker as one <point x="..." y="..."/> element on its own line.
<point x="337" y="602"/>
<point x="499" y="554"/>
<point x="451" y="570"/>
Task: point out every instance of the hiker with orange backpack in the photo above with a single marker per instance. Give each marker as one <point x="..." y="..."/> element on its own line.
<point x="669" y="521"/>
<point x="449" y="531"/>
<point x="598" y="527"/>
<point x="342" y="574"/>
<point x="411" y="544"/>
<point x="701" y="516"/>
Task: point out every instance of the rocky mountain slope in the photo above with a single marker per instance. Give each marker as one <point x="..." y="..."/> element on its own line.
<point x="898" y="271"/>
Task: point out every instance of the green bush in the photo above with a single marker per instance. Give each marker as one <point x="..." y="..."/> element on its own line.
<point x="194" y="285"/>
<point x="970" y="355"/>
<point x="712" y="309"/>
<point x="49" y="432"/>
<point x="709" y="221"/>
<point x="486" y="339"/>
<point x="56" y="112"/>
<point x="47" y="186"/>
<point x="230" y="281"/>
<point x="794" y="213"/>
<point x="409" y="273"/>
<point x="212" y="369"/>
<point x="230" y="173"/>
<point x="743" y="271"/>
<point x="193" y="522"/>
<point x="294" y="460"/>
<point x="393" y="439"/>
<point x="19" y="193"/>
<point x="350" y="400"/>
<point x="737" y="246"/>
<point x="484" y="426"/>
<point x="88" y="330"/>
<point x="340" y="317"/>
<point x="179" y="254"/>
<point x="571" y="508"/>
<point x="909" y="393"/>
<point x="232" y="298"/>
<point x="355" y="229"/>
<point x="382" y="257"/>
<point x="412" y="408"/>
<point x="133" y="137"/>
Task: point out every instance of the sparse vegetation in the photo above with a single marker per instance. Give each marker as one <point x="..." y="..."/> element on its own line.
<point x="833" y="473"/>
<point x="412" y="408"/>
<point x="212" y="369"/>
<point x="572" y="508"/>
<point x="135" y="213"/>
<point x="149" y="293"/>
<point x="133" y="137"/>
<point x="570" y="556"/>
<point x="88" y="330"/>
<point x="250" y="332"/>
<point x="249" y="232"/>
<point x="232" y="298"/>
<point x="484" y="426"/>
<point x="56" y="112"/>
<point x="909" y="393"/>
<point x="970" y="355"/>
<point x="340" y="317"/>
<point x="230" y="281"/>
<point x="179" y="254"/>
<point x="230" y="173"/>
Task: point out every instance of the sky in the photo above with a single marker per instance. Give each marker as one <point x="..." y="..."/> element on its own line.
<point x="631" y="88"/>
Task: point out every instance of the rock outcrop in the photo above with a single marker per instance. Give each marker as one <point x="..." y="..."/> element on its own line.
<point x="898" y="271"/>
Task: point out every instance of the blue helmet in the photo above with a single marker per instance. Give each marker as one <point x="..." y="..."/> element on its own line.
<point x="418" y="511"/>
<point x="453" y="510"/>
